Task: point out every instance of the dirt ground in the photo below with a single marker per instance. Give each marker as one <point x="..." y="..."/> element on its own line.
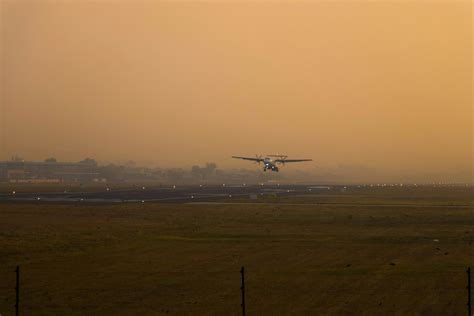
<point x="367" y="251"/>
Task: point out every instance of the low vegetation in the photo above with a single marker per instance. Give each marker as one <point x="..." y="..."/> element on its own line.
<point x="357" y="252"/>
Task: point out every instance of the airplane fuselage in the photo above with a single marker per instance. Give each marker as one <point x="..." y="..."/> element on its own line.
<point x="268" y="164"/>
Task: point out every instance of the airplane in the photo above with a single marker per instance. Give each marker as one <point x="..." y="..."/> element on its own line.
<point x="269" y="163"/>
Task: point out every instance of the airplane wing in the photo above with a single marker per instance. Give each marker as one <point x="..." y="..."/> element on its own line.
<point x="257" y="159"/>
<point x="291" y="160"/>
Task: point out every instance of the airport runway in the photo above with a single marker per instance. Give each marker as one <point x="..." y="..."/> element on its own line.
<point x="169" y="194"/>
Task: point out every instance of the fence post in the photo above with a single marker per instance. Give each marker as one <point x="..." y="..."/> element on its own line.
<point x="469" y="307"/>
<point x="242" y="288"/>
<point x="17" y="290"/>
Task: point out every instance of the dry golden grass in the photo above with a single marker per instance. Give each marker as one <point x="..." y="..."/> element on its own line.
<point x="366" y="256"/>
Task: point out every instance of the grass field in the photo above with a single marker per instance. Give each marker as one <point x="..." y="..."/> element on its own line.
<point x="363" y="251"/>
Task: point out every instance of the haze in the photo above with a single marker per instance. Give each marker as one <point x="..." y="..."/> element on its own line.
<point x="384" y="85"/>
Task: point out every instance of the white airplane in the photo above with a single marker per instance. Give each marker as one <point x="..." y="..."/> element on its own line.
<point x="269" y="163"/>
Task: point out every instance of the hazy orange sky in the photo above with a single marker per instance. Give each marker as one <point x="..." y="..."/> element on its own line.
<point x="383" y="84"/>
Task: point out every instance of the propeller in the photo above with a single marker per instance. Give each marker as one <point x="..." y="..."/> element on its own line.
<point x="258" y="157"/>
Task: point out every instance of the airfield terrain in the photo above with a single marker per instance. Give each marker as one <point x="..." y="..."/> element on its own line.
<point x="338" y="251"/>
